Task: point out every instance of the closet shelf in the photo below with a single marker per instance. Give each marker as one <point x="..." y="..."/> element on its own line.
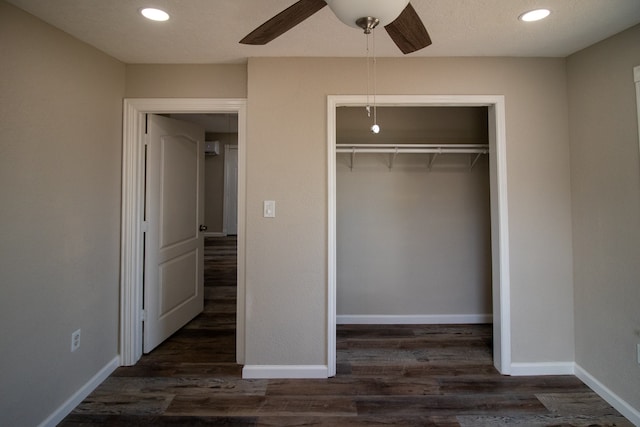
<point x="433" y="149"/>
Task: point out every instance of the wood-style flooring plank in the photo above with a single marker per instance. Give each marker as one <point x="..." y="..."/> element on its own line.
<point x="562" y="384"/>
<point x="353" y="387"/>
<point x="585" y="402"/>
<point x="542" y="420"/>
<point x="178" y="385"/>
<point x="478" y="404"/>
<point x="360" y="421"/>
<point x="75" y="420"/>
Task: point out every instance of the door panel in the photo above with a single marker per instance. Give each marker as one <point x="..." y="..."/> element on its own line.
<point x="174" y="280"/>
<point x="179" y="195"/>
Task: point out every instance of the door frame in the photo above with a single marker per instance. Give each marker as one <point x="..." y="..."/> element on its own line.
<point x="226" y="191"/>
<point x="499" y="210"/>
<point x="133" y="226"/>
<point x="636" y="80"/>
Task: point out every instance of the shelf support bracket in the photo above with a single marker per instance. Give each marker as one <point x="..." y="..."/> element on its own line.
<point x="475" y="160"/>
<point x="353" y="158"/>
<point x="392" y="158"/>
<point x="433" y="159"/>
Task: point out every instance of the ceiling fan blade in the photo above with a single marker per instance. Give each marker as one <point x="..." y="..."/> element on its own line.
<point x="408" y="32"/>
<point x="284" y="21"/>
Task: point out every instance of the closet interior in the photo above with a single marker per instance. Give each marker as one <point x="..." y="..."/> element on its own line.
<point x="413" y="239"/>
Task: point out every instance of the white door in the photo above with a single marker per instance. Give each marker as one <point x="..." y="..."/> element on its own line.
<point x="174" y="243"/>
<point x="230" y="217"/>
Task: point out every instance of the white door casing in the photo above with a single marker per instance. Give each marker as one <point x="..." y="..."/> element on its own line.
<point x="499" y="210"/>
<point x="174" y="244"/>
<point x="636" y="79"/>
<point x="230" y="215"/>
<point x="132" y="247"/>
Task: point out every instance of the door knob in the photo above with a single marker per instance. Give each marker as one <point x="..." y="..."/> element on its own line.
<point x="203" y="228"/>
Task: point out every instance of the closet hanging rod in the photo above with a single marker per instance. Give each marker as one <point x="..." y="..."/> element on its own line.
<point x="413" y="148"/>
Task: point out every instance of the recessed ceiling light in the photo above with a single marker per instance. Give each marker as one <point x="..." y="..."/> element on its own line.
<point x="534" y="15"/>
<point x="154" y="14"/>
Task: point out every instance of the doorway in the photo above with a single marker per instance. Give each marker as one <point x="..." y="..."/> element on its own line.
<point x="498" y="196"/>
<point x="221" y="184"/>
<point x="132" y="247"/>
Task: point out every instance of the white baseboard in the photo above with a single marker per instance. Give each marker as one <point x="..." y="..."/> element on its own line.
<point x="214" y="234"/>
<point x="285" y="371"/>
<point x="542" y="368"/>
<point x="413" y="319"/>
<point x="58" y="415"/>
<point x="631" y="413"/>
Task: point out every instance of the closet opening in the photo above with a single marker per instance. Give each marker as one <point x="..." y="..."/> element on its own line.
<point x="417" y="215"/>
<point x="413" y="225"/>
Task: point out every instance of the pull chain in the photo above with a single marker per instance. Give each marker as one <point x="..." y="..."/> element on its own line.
<point x="368" y="78"/>
<point x="375" y="128"/>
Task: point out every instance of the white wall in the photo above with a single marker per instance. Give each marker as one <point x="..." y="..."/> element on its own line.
<point x="605" y="178"/>
<point x="60" y="155"/>
<point x="286" y="155"/>
<point x="413" y="241"/>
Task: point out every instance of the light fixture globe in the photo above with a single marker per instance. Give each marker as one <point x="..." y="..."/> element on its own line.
<point x="349" y="11"/>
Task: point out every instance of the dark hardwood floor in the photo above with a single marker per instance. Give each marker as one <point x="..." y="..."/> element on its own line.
<point x="406" y="375"/>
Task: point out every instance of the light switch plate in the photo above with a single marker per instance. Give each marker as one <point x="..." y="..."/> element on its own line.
<point x="269" y="209"/>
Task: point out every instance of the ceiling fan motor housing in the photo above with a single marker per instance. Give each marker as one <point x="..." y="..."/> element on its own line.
<point x="367" y="24"/>
<point x="350" y="11"/>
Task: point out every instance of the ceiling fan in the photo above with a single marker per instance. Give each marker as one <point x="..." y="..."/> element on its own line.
<point x="398" y="17"/>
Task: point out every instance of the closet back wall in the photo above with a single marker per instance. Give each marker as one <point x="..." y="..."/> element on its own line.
<point x="413" y="243"/>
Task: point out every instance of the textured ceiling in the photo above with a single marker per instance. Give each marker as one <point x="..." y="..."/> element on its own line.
<point x="208" y="31"/>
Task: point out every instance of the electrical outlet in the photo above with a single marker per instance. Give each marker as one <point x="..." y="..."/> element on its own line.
<point x="75" y="340"/>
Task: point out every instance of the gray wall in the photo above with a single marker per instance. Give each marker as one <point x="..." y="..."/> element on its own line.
<point x="186" y="81"/>
<point x="286" y="274"/>
<point x="60" y="156"/>
<point x="605" y="178"/>
<point x="413" y="241"/>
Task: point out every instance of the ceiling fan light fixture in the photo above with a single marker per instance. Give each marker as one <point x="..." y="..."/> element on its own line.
<point x="350" y="11"/>
<point x="154" y="14"/>
<point x="534" y="15"/>
<point x="367" y="23"/>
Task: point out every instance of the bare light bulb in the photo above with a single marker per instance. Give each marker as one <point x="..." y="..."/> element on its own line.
<point x="375" y="128"/>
